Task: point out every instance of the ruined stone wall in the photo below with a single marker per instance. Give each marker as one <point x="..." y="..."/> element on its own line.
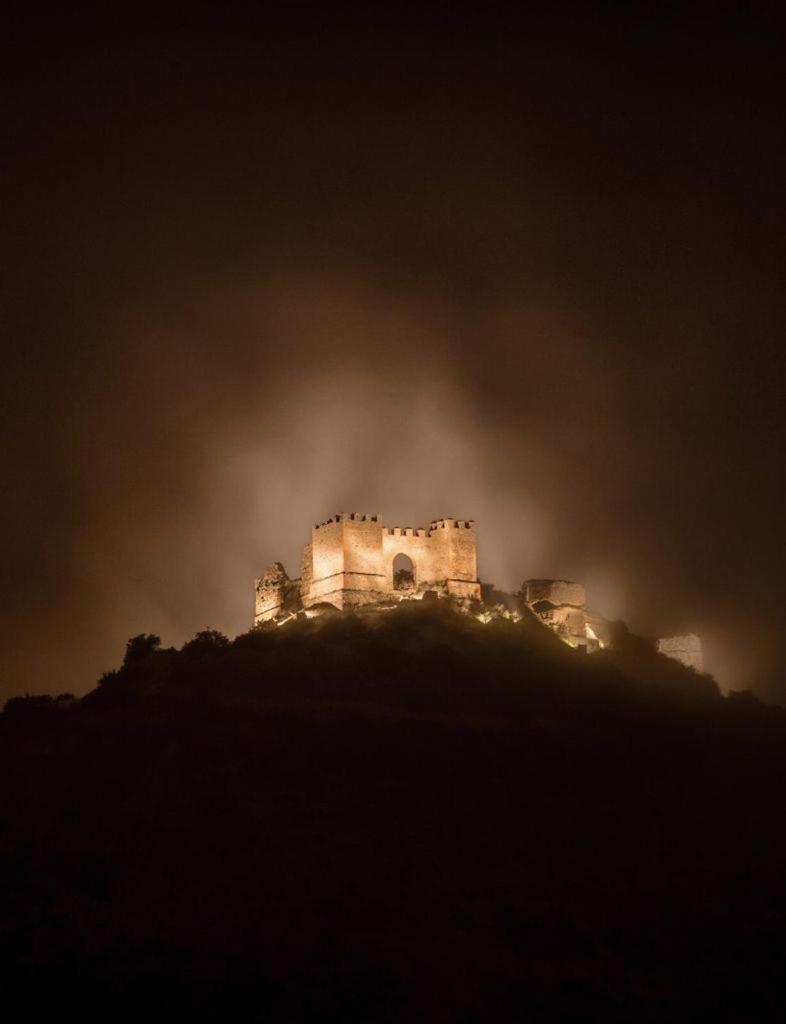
<point x="560" y="605"/>
<point x="686" y="649"/>
<point x="270" y="592"/>
<point x="556" y="592"/>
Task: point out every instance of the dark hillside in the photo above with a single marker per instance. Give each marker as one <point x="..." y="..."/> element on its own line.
<point x="406" y="816"/>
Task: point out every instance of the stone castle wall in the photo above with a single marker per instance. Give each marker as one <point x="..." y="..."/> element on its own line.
<point x="352" y="558"/>
<point x="350" y="562"/>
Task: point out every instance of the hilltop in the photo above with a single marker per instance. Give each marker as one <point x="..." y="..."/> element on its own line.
<point x="394" y="816"/>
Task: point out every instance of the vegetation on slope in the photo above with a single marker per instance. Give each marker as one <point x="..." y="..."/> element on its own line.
<point x="394" y="817"/>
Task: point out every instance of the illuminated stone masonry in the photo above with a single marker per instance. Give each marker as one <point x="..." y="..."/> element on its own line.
<point x="354" y="561"/>
<point x="686" y="649"/>
<point x="350" y="562"/>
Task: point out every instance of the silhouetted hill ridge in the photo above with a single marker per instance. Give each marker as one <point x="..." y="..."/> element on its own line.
<point x="398" y="816"/>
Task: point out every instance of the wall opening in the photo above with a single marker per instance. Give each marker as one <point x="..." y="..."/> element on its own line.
<point x="403" y="573"/>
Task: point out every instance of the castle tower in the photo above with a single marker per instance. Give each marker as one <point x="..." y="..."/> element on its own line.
<point x="455" y="556"/>
<point x="346" y="562"/>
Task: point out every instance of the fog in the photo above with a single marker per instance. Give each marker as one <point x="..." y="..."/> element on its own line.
<point x="246" y="294"/>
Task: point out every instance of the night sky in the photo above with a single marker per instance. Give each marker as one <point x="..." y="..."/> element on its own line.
<point x="526" y="269"/>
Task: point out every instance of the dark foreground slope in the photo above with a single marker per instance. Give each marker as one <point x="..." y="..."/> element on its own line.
<point x="397" y="818"/>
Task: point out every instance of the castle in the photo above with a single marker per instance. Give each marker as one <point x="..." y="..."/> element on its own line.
<point x="353" y="560"/>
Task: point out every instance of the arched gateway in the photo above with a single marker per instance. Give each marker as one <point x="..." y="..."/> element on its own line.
<point x="403" y="573"/>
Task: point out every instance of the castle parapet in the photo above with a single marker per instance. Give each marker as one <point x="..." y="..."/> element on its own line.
<point x="447" y="524"/>
<point x="350" y="517"/>
<point x="406" y="531"/>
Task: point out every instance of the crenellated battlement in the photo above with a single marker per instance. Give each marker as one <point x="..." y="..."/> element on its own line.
<point x="437" y="524"/>
<point x="403" y="531"/>
<point x="347" y="517"/>
<point x="406" y="531"/>
<point x="457" y="524"/>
